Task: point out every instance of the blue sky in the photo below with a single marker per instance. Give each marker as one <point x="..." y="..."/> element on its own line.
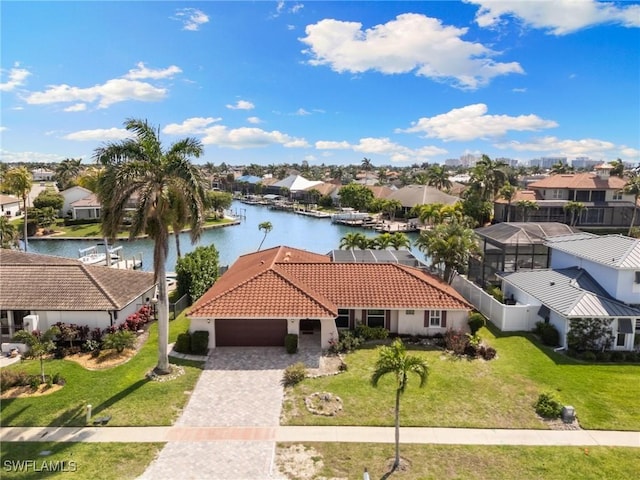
<point x="327" y="82"/>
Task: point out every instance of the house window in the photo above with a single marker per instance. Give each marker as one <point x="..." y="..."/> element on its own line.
<point x="342" y="320"/>
<point x="620" y="339"/>
<point x="637" y="277"/>
<point x="375" y="318"/>
<point x="435" y="318"/>
<point x="556" y="194"/>
<point x="4" y="322"/>
<point x="592" y="216"/>
<point x="410" y="312"/>
<point x="617" y="195"/>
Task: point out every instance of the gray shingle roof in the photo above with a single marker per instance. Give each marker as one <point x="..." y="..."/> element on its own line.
<point x="572" y="292"/>
<point x="30" y="281"/>
<point x="611" y="250"/>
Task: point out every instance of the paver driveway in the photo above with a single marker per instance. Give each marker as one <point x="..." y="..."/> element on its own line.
<point x="240" y="387"/>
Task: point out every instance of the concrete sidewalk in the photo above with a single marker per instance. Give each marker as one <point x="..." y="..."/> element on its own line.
<point x="408" y="435"/>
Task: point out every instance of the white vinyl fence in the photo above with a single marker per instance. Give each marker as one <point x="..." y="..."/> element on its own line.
<point x="508" y="318"/>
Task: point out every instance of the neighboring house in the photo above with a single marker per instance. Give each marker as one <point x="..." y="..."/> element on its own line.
<point x="513" y="246"/>
<point x="569" y="294"/>
<point x="267" y="294"/>
<point x="413" y="195"/>
<point x="590" y="276"/>
<point x="605" y="204"/>
<point x="614" y="260"/>
<point x="9" y="205"/>
<point x="42" y="175"/>
<point x="87" y="208"/>
<point x="37" y="291"/>
<point x="72" y="195"/>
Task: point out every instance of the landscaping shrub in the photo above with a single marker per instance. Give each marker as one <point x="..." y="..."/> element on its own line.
<point x="90" y="346"/>
<point x="119" y="340"/>
<point x="294" y="374"/>
<point x="366" y="332"/>
<point x="603" y="356"/>
<point x="346" y="342"/>
<point x="456" y="341"/>
<point x="197" y="271"/>
<point x="58" y="379"/>
<point x="489" y="353"/>
<point x="617" y="356"/>
<point x="547" y="406"/>
<point x="476" y="322"/>
<point x="588" y="356"/>
<point x="550" y="335"/>
<point x="183" y="343"/>
<point x="291" y="343"/>
<point x="590" y="334"/>
<point x="34" y="382"/>
<point x="200" y="342"/>
<point x="13" y="378"/>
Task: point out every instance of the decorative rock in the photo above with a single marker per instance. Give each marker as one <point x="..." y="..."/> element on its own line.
<point x="323" y="403"/>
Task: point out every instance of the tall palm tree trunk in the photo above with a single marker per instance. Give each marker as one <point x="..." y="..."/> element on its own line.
<point x="24" y="201"/>
<point x="396" y="463"/>
<point x="633" y="217"/>
<point x="163" y="313"/>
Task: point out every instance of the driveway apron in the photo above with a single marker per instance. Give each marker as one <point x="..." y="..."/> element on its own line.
<point x="239" y="387"/>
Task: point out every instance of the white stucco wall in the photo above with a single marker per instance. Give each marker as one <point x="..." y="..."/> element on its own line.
<point x="71" y="195"/>
<point x="562" y="325"/>
<point x="11" y="209"/>
<point x="205" y="324"/>
<point x="414" y="324"/>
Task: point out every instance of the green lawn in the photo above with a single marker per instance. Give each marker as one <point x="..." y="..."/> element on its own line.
<point x="479" y="394"/>
<point x="122" y="392"/>
<point x="93" y="230"/>
<point x="97" y="461"/>
<point x="347" y="460"/>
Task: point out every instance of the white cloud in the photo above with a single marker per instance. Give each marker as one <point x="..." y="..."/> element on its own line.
<point x="99" y="134"/>
<point x="331" y="145"/>
<point x="383" y="146"/>
<point x="254" y="120"/>
<point x="142" y="72"/>
<point x="3" y="129"/>
<point x="112" y="91"/>
<point x="7" y="156"/>
<point x="249" y="137"/>
<point x="559" y="17"/>
<point x="17" y="77"/>
<point x="190" y="126"/>
<point x="78" y="107"/>
<point x="519" y="90"/>
<point x="572" y="148"/>
<point x="241" y="105"/>
<point x="472" y="122"/>
<point x="410" y="43"/>
<point x="302" y="112"/>
<point x="191" y="18"/>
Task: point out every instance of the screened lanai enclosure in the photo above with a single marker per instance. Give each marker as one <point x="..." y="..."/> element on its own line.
<point x="510" y="247"/>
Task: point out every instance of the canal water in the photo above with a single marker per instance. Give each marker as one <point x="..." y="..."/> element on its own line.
<point x="317" y="235"/>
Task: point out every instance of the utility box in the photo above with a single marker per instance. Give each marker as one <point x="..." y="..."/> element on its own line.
<point x="568" y="414"/>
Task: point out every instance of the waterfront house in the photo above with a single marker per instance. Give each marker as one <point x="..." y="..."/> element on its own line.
<point x="267" y="294"/>
<point x="9" y="206"/>
<point x="605" y="204"/>
<point x="37" y="291"/>
<point x="589" y="276"/>
<point x="412" y="195"/>
<point x="72" y="195"/>
<point x="87" y="208"/>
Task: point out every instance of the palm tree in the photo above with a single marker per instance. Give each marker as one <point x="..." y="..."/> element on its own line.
<point x="450" y="245"/>
<point x="383" y="241"/>
<point x="390" y="207"/>
<point x="394" y="360"/>
<point x="18" y="181"/>
<point x="491" y="175"/>
<point x="67" y="171"/>
<point x="526" y="206"/>
<point x="558" y="168"/>
<point x="574" y="208"/>
<point x="8" y="234"/>
<point x="632" y="187"/>
<point x="139" y="169"/>
<point x="400" y="240"/>
<point x="508" y="191"/>
<point x="438" y="177"/>
<point x="266" y="227"/>
<point x="40" y="344"/>
<point x="90" y="178"/>
<point x="351" y="241"/>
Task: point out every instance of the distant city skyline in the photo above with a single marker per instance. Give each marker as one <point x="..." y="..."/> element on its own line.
<point x="325" y="82"/>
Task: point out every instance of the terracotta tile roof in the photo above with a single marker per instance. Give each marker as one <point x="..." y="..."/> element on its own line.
<point x="30" y="281"/>
<point x="580" y="181"/>
<point x="7" y="199"/>
<point x="519" y="195"/>
<point x="324" y="188"/>
<point x="286" y="282"/>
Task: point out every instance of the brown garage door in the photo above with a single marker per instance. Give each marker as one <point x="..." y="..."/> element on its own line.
<point x="250" y="332"/>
